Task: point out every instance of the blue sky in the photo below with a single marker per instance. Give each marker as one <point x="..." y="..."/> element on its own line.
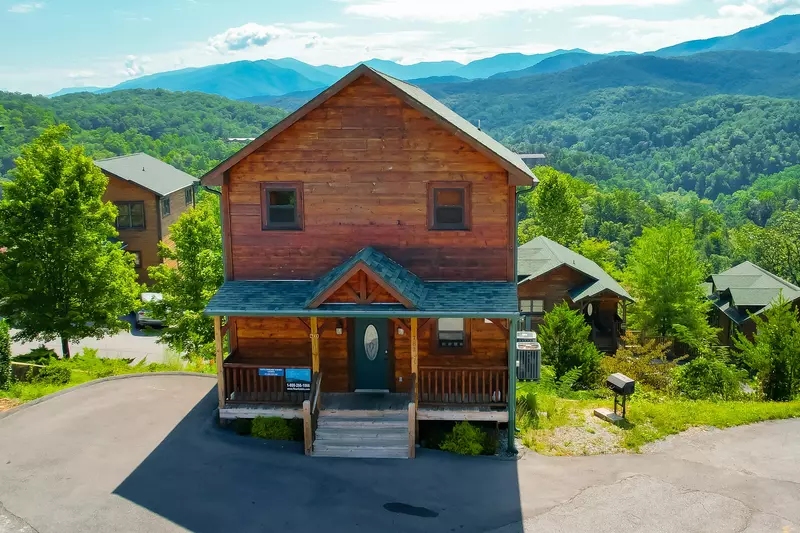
<point x="50" y="44"/>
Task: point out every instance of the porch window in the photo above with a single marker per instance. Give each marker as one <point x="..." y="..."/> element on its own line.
<point x="130" y="215"/>
<point x="449" y="206"/>
<point x="531" y="307"/>
<point x="165" y="207"/>
<point x="451" y="335"/>
<point x="281" y="206"/>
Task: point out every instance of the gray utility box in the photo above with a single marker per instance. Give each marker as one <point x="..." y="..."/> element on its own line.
<point x="529" y="356"/>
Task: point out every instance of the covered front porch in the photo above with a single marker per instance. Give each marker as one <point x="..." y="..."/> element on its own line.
<point x="441" y="351"/>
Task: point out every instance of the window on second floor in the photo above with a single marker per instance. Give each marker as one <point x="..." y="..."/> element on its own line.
<point x="188" y="195"/>
<point x="449" y="206"/>
<point x="531" y="307"/>
<point x="282" y="206"/>
<point x="165" y="207"/>
<point x="130" y="215"/>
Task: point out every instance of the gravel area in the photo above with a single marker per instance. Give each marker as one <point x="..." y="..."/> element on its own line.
<point x="7" y="403"/>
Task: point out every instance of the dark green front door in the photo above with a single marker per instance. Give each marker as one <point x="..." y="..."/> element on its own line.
<point x="372" y="353"/>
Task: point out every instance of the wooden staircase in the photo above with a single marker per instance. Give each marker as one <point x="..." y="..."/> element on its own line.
<point x="363" y="434"/>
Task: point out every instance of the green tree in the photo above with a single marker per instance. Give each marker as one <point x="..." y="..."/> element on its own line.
<point x="564" y="336"/>
<point x="555" y="210"/>
<point x="189" y="277"/>
<point x="774" y="352"/>
<point x="665" y="273"/>
<point x="5" y="356"/>
<point x="775" y="247"/>
<point x="601" y="252"/>
<point x="62" y="276"/>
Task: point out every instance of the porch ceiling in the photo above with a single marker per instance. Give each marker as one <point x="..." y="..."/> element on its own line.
<point x="475" y="299"/>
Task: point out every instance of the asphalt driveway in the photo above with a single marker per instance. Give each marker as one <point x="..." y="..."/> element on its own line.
<point x="143" y="454"/>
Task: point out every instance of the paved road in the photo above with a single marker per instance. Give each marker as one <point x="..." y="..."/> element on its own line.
<point x="134" y="345"/>
<point x="143" y="454"/>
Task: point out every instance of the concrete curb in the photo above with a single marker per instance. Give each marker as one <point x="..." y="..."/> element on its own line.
<point x="56" y="394"/>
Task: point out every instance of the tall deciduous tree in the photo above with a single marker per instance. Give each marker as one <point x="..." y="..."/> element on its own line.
<point x="775" y="247"/>
<point x="555" y="210"/>
<point x="774" y="351"/>
<point x="61" y="276"/>
<point x="5" y="356"/>
<point x="189" y="277"/>
<point x="665" y="274"/>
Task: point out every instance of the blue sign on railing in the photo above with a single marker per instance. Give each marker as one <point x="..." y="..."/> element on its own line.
<point x="298" y="379"/>
<point x="271" y="372"/>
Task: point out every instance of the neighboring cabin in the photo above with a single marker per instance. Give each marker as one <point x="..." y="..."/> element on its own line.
<point x="742" y="292"/>
<point x="549" y="273"/>
<point x="150" y="196"/>
<point x="369" y="238"/>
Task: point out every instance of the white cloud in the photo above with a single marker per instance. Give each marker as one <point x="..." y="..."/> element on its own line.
<point x="472" y="10"/>
<point x="247" y="36"/>
<point x="25" y="8"/>
<point x="310" y="25"/>
<point x="82" y="74"/>
<point x="134" y="66"/>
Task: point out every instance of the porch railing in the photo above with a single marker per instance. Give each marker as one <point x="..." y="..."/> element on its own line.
<point x="311" y="409"/>
<point x="484" y="386"/>
<point x="243" y="384"/>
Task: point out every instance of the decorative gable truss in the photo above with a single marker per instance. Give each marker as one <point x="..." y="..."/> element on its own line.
<point x="360" y="285"/>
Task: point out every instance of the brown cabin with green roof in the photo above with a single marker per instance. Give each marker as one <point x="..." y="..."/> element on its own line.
<point x="742" y="292"/>
<point x="150" y="196"/>
<point x="369" y="243"/>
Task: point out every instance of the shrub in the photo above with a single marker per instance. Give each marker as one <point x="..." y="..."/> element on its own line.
<point x="272" y="428"/>
<point x="5" y="356"/>
<point x="465" y="439"/>
<point x="646" y="363"/>
<point x="708" y="379"/>
<point x="55" y="374"/>
<point x="774" y="352"/>
<point x="37" y="356"/>
<point x="564" y="335"/>
<point x="527" y="410"/>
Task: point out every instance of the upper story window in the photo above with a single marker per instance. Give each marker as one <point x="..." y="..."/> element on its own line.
<point x="188" y="195"/>
<point x="282" y="206"/>
<point x="130" y="215"/>
<point x="531" y="307"/>
<point x="165" y="207"/>
<point x="449" y="206"/>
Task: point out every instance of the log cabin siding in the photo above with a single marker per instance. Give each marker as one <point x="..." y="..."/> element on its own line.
<point x="144" y="240"/>
<point x="178" y="205"/>
<point x="365" y="159"/>
<point x="553" y="287"/>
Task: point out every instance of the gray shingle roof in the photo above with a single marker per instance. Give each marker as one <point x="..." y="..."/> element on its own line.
<point x="147" y="172"/>
<point x="748" y="285"/>
<point x="541" y="255"/>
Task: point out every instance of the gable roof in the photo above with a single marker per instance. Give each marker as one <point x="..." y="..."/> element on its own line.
<point x="147" y="172"/>
<point x="541" y="255"/>
<point x="518" y="171"/>
<point x="398" y="279"/>
<point x="748" y="285"/>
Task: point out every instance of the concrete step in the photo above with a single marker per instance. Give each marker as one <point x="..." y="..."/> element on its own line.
<point x="361" y="451"/>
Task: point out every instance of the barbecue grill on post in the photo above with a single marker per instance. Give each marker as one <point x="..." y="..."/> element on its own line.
<point x="623" y="386"/>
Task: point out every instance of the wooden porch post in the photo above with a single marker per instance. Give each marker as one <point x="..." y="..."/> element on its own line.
<point x="220" y="360"/>
<point x="415" y="355"/>
<point x="512" y="384"/>
<point x="314" y="345"/>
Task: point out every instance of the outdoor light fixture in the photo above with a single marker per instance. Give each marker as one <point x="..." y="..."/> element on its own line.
<point x="339" y="328"/>
<point x="401" y="331"/>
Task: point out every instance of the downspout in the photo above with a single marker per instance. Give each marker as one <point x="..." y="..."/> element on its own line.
<point x="512" y="336"/>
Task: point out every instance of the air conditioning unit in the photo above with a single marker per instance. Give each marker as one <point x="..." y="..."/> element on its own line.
<point x="529" y="356"/>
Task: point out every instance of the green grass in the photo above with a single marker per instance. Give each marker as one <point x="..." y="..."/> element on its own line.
<point x="649" y="418"/>
<point x="88" y="367"/>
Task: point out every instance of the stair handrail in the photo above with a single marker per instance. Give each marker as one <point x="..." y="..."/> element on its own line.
<point x="311" y="409"/>
<point x="412" y="417"/>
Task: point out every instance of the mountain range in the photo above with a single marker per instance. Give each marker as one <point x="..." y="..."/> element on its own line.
<point x="265" y="79"/>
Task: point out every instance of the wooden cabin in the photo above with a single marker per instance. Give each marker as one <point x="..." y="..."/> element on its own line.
<point x="550" y="274"/>
<point x="742" y="292"/>
<point x="369" y="243"/>
<point x="150" y="196"/>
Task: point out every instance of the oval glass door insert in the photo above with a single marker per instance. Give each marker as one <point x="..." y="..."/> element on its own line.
<point x="371" y="342"/>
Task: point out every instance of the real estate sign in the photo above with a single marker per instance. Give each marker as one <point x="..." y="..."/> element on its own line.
<point x="298" y="379"/>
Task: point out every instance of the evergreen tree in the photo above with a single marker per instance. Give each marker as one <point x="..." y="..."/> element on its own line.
<point x="189" y="277"/>
<point x="555" y="209"/>
<point x="564" y="336"/>
<point x="665" y="274"/>
<point x="61" y="276"/>
<point x="774" y="352"/>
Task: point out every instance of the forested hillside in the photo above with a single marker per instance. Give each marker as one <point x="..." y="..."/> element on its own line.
<point x="187" y="130"/>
